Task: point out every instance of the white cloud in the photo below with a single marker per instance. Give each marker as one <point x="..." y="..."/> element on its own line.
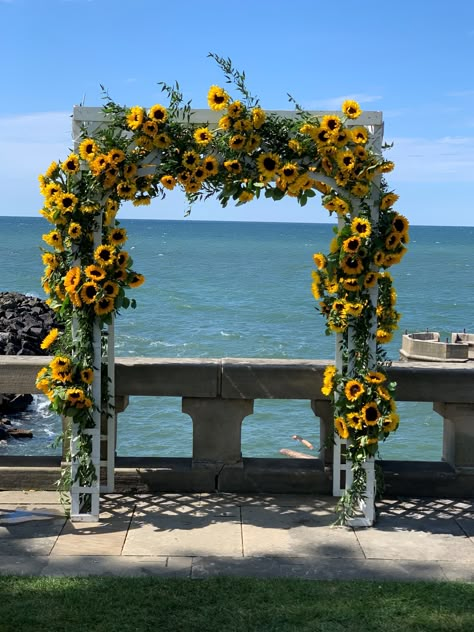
<point x="448" y="159"/>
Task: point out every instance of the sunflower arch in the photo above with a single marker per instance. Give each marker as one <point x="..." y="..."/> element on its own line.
<point x="234" y="151"/>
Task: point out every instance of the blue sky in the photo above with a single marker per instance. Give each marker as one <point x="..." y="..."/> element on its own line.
<point x="410" y="59"/>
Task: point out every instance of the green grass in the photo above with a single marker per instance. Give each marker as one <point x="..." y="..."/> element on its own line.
<point x="96" y="604"/>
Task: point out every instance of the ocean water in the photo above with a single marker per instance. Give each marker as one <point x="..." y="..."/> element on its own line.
<point x="237" y="289"/>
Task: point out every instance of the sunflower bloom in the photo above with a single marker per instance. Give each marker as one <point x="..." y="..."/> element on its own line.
<point x="136" y="280"/>
<point x="370" y="414"/>
<point x="211" y="166"/>
<point x="75" y="396"/>
<point x="331" y="122"/>
<point x="110" y="288"/>
<point x="391" y="423"/>
<point x="320" y="260"/>
<point x="50" y="338"/>
<point x="388" y="201"/>
<point x="217" y="98"/>
<point x="233" y="166"/>
<point x="203" y="136"/>
<point x="75" y="230"/>
<point x="237" y="142"/>
<point x="135" y="117"/>
<point x="400" y="224"/>
<point x="351" y="245"/>
<point x="71" y="164"/>
<point x="72" y="279"/>
<point x="361" y="227"/>
<point x="268" y="164"/>
<point x="104" y="306"/>
<point x="89" y="292"/>
<point x="104" y="255"/>
<point x="168" y="182"/>
<point x="351" y="109"/>
<point x="117" y="236"/>
<point x="126" y="190"/>
<point x="158" y="113"/>
<point x="95" y="273"/>
<point x="352" y="265"/>
<point x="353" y="390"/>
<point x="88" y="149"/>
<point x="341" y="427"/>
<point x="375" y="377"/>
<point x="382" y="336"/>
<point x="87" y="375"/>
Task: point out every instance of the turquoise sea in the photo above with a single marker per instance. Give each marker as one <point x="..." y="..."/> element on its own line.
<point x="242" y="289"/>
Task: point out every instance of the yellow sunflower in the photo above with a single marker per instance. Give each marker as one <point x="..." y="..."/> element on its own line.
<point x="375" y="377"/>
<point x="88" y="149"/>
<point x="150" y="128"/>
<point x="351" y="109"/>
<point x="361" y="227"/>
<point x="346" y="160"/>
<point x="158" y="113"/>
<point x="190" y="159"/>
<point x="320" y="260"/>
<point x="162" y="141"/>
<point x="370" y="414"/>
<point x="135" y="117"/>
<point x="71" y="164"/>
<point x="217" y="98"/>
<point x="72" y="279"/>
<point x="237" y="142"/>
<point x="388" y="201"/>
<point x="268" y="164"/>
<point x="354" y="309"/>
<point x="352" y="265"/>
<point x="353" y="390"/>
<point x="75" y="230"/>
<point x="75" y="396"/>
<point x="211" y="166"/>
<point x="391" y="423"/>
<point x="104" y="255"/>
<point x="168" y="182"/>
<point x="87" y="375"/>
<point x="110" y="288"/>
<point x="360" y="135"/>
<point x="258" y="117"/>
<point x="104" y="306"/>
<point x="66" y="202"/>
<point x="341" y="427"/>
<point x="225" y="122"/>
<point x="136" y="280"/>
<point x="354" y="420"/>
<point x="203" y="136"/>
<point x="235" y="109"/>
<point x="351" y="245"/>
<point x="50" y="338"/>
<point x="371" y="279"/>
<point x="126" y="190"/>
<point x="331" y="122"/>
<point x="95" y="273"/>
<point x="400" y="224"/>
<point x="117" y="236"/>
<point x="246" y="196"/>
<point x="233" y="166"/>
<point x="382" y="336"/>
<point x="89" y="292"/>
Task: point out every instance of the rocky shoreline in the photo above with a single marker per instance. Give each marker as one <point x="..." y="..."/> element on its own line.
<point x="24" y="323"/>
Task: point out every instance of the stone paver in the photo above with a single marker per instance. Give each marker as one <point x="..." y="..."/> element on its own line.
<point x="191" y="528"/>
<point x="206" y="535"/>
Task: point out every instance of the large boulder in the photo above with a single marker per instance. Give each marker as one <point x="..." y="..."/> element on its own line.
<point x="24" y="322"/>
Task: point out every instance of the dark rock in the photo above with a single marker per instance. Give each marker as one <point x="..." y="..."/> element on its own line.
<point x="24" y="322"/>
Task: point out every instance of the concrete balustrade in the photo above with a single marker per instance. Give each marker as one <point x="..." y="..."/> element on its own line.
<point x="218" y="394"/>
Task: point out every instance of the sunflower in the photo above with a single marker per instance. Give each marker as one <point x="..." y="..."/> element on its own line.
<point x="379" y="258"/>
<point x="361" y="227"/>
<point x="328" y="380"/>
<point x="126" y="190"/>
<point x="341" y="138"/>
<point x="89" y="292"/>
<point x="351" y="109"/>
<point x="346" y="160"/>
<point x="88" y="149"/>
<point x="331" y="122"/>
<point x="360" y="135"/>
<point x="235" y="109"/>
<point x="289" y="171"/>
<point x="199" y="173"/>
<point x="400" y="224"/>
<point x="117" y="236"/>
<point x="391" y="423"/>
<point x="382" y="336"/>
<point x="233" y="166"/>
<point x="190" y="159"/>
<point x="258" y="117"/>
<point x="51" y="170"/>
<point x="268" y="164"/>
<point x="384" y="393"/>
<point x="135" y="117"/>
<point x="360" y="189"/>
<point x="120" y="274"/>
<point x="353" y="390"/>
<point x="136" y="280"/>
<point x="104" y="306"/>
<point x="87" y="375"/>
<point x="110" y="288"/>
<point x="99" y="164"/>
<point x="162" y="141"/>
<point x="375" y="377"/>
<point x="237" y="142"/>
<point x="386" y="167"/>
<point x="66" y="202"/>
<point x="168" y="182"/>
<point x="351" y="285"/>
<point x="351" y="245"/>
<point x="95" y="273"/>
<point x="370" y="414"/>
<point x="320" y="260"/>
<point x="75" y="230"/>
<point x="183" y="177"/>
<point x="104" y="255"/>
<point x="211" y="166"/>
<point x="217" y="98"/>
<point x="72" y="279"/>
<point x="341" y="427"/>
<point x="129" y="171"/>
<point x="150" y="128"/>
<point x="122" y="258"/>
<point x="295" y="146"/>
<point x="49" y="259"/>
<point x="371" y="279"/>
<point x="203" y="136"/>
<point x="388" y="201"/>
<point x="50" y="338"/>
<point x="352" y="265"/>
<point x="71" y="164"/>
<point x="392" y="241"/>
<point x="75" y="396"/>
<point x="158" y="113"/>
<point x="225" y="122"/>
<point x="354" y="420"/>
<point x="61" y="369"/>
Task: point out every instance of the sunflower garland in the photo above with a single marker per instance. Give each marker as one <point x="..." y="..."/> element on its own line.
<point x="144" y="153"/>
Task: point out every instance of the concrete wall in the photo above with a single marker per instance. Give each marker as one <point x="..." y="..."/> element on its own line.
<point x="219" y="393"/>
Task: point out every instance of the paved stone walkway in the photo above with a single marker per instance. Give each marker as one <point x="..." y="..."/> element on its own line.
<point x="205" y="535"/>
